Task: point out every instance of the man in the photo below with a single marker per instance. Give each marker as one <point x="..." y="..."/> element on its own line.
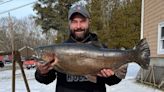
<point x="79" y="33"/>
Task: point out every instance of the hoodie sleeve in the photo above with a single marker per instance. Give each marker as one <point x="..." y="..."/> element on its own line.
<point x="112" y="80"/>
<point x="45" y="79"/>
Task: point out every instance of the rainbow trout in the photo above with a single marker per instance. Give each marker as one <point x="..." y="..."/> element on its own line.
<point x="85" y="59"/>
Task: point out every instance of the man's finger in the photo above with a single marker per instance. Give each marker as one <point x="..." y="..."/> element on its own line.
<point x="54" y="61"/>
<point x="103" y="73"/>
<point x="110" y="72"/>
<point x="99" y="75"/>
<point x="107" y="72"/>
<point x="50" y="68"/>
<point x="48" y="63"/>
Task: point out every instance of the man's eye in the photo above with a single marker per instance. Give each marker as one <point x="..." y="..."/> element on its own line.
<point x="84" y="20"/>
<point x="73" y="22"/>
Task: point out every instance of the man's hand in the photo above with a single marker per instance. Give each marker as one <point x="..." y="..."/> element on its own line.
<point x="50" y="59"/>
<point x="105" y="73"/>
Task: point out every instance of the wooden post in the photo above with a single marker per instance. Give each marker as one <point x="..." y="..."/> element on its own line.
<point x="142" y="75"/>
<point x="24" y="77"/>
<point x="17" y="58"/>
<point x="13" y="75"/>
<point x="13" y="48"/>
<point x="153" y="75"/>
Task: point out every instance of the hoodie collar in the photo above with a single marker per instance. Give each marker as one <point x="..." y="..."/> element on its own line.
<point x="89" y="37"/>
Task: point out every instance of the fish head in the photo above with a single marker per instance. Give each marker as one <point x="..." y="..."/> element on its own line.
<point x="44" y="55"/>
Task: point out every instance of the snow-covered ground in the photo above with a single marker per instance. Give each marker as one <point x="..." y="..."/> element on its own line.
<point x="126" y="85"/>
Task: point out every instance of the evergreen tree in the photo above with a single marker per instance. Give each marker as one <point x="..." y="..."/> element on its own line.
<point x="101" y="13"/>
<point x="125" y="25"/>
<point x="116" y="22"/>
<point x="52" y="14"/>
<point x="95" y="12"/>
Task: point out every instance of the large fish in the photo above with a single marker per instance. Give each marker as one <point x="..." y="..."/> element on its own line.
<point x="85" y="59"/>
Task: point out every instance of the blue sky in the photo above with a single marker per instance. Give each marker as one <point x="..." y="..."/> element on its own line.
<point x="18" y="13"/>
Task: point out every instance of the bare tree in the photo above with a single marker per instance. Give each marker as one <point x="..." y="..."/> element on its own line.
<point x="26" y="33"/>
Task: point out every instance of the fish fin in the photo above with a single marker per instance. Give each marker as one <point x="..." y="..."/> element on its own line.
<point x="91" y="78"/>
<point x="121" y="71"/>
<point x="96" y="44"/>
<point x="143" y="54"/>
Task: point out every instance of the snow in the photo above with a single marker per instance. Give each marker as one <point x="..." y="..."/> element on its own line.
<point x="126" y="85"/>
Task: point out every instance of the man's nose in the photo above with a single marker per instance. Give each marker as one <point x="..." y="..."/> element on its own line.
<point x="78" y="25"/>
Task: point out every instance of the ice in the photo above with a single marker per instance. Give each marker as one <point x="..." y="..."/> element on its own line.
<point x="126" y="85"/>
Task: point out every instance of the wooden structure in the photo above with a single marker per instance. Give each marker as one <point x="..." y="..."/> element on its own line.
<point x="154" y="76"/>
<point x="26" y="52"/>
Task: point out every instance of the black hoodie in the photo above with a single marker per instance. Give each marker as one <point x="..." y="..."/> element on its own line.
<point x="72" y="83"/>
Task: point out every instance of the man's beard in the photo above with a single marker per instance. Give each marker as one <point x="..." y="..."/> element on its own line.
<point x="79" y="34"/>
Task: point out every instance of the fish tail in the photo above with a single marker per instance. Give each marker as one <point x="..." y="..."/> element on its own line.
<point x="143" y="54"/>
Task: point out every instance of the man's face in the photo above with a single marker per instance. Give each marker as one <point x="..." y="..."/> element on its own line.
<point x="79" y="26"/>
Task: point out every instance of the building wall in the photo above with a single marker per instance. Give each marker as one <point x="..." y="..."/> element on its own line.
<point x="153" y="15"/>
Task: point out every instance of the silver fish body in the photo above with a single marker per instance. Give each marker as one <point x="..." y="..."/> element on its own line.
<point x="84" y="59"/>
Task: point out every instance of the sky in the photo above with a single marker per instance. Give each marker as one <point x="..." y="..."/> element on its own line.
<point x="21" y="12"/>
<point x="18" y="13"/>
